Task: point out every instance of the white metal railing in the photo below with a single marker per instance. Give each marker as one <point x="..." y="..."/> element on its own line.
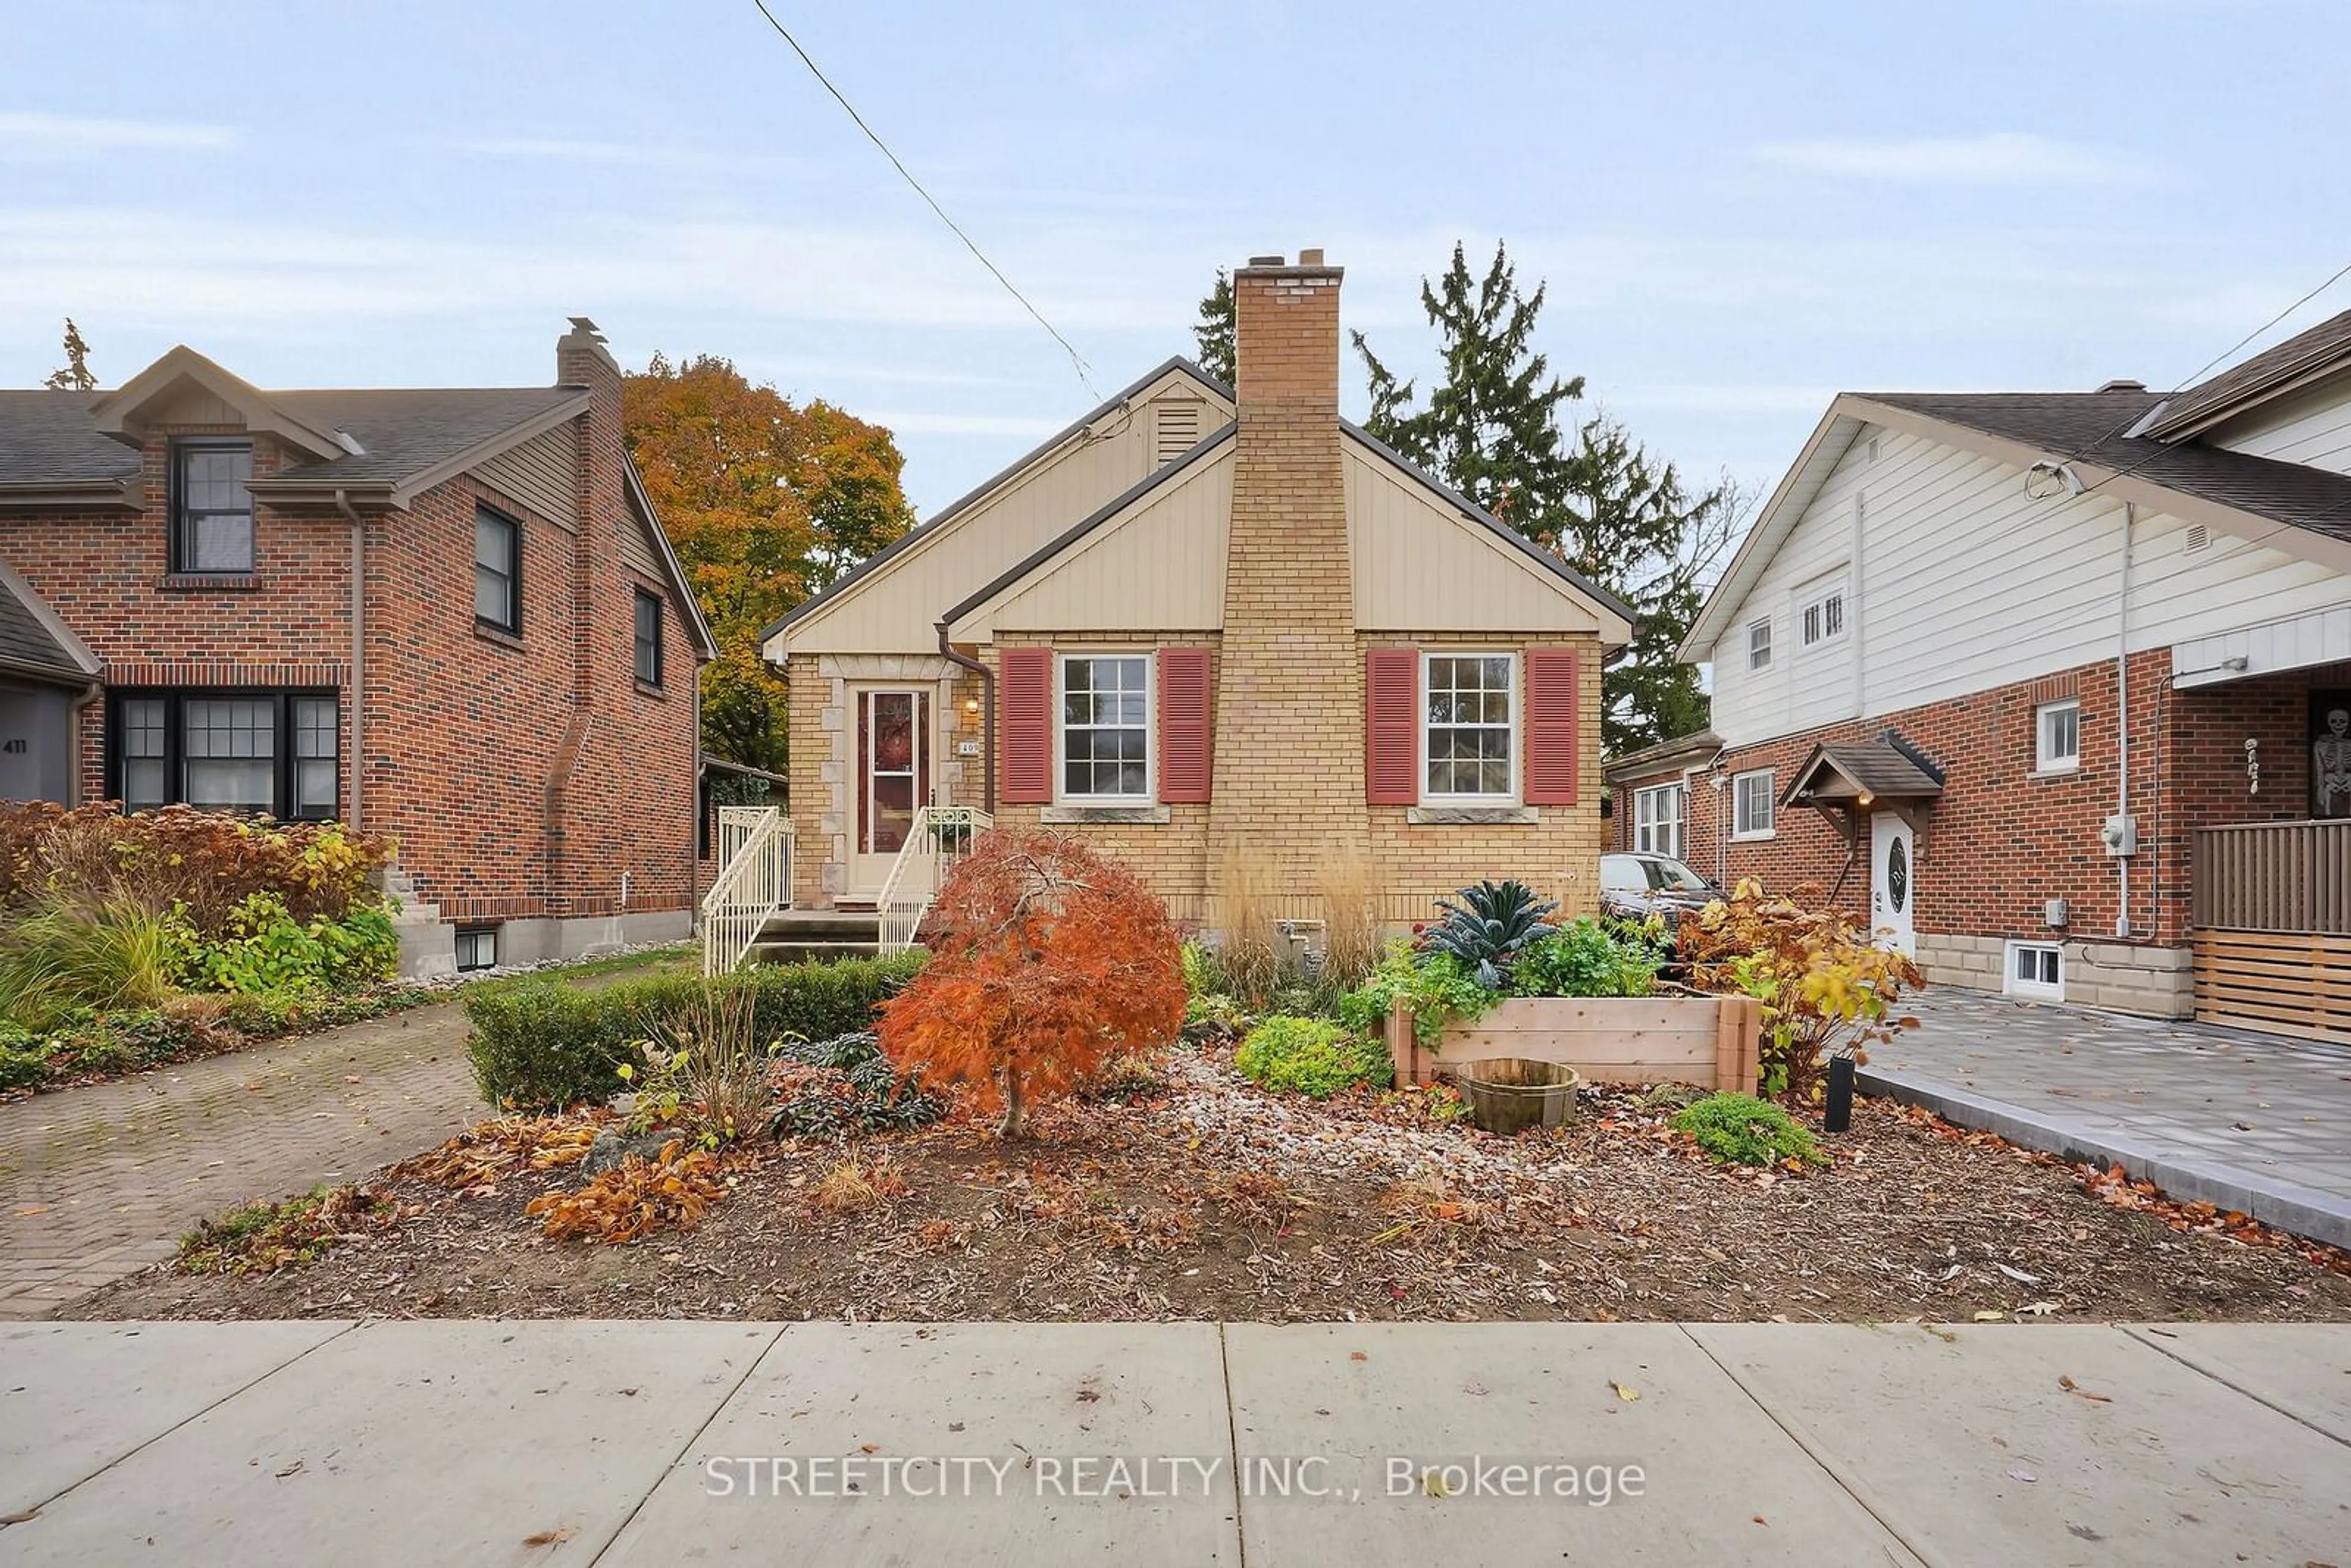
<point x="939" y="837"/>
<point x="754" y="880"/>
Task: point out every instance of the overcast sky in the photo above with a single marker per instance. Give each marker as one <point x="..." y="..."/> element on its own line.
<point x="1741" y="206"/>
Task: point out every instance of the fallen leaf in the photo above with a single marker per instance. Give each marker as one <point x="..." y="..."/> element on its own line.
<point x="547" y="1538"/>
<point x="1760" y="1520"/>
<point x="26" y="1517"/>
<point x="2038" y="1310"/>
<point x="2022" y="1476"/>
<point x="30" y="1208"/>
<point x="1357" y="1355"/>
<point x="1433" y="1484"/>
<point x="293" y="1470"/>
<point x="1625" y="1390"/>
<point x="2078" y="1392"/>
<point x="1989" y="1317"/>
<point x="2019" y="1275"/>
<point x="869" y="1447"/>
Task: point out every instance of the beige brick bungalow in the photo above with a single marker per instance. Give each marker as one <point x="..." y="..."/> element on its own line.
<point x="1213" y="631"/>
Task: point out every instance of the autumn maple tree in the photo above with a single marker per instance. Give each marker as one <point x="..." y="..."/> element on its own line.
<point x="766" y="502"/>
<point x="1046" y="959"/>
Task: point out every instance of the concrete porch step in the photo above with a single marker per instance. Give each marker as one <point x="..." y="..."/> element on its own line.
<point x="817" y="936"/>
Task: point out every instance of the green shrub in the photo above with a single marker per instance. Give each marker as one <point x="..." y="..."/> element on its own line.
<point x="1586" y="959"/>
<point x="850" y="1087"/>
<point x="1441" y="988"/>
<point x="266" y="951"/>
<point x="1739" y="1129"/>
<point x="1312" y="1056"/>
<point x="23" y="1057"/>
<point x="540" y="1044"/>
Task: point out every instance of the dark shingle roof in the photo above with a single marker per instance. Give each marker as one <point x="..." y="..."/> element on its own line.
<point x="1885" y="766"/>
<point x="410" y="431"/>
<point x="25" y="640"/>
<point x="2088" y="428"/>
<point x="2299" y="356"/>
<point x="51" y="437"/>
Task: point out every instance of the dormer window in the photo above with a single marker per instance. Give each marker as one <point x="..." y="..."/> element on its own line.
<point x="212" y="511"/>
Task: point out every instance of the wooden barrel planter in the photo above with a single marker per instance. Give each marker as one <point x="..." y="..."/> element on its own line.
<point x="1509" y="1093"/>
<point x="1712" y="1041"/>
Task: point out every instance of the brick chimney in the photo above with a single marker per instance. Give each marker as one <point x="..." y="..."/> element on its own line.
<point x="1289" y="788"/>
<point x="583" y="870"/>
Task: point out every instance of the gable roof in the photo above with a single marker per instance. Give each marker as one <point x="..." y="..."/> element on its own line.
<point x="2253" y="496"/>
<point x="34" y="639"/>
<point x="1501" y="530"/>
<point x="1885" y="767"/>
<point x="923" y="533"/>
<point x="411" y="437"/>
<point x="1654" y="758"/>
<point x="2297" y="361"/>
<point x="1165" y="476"/>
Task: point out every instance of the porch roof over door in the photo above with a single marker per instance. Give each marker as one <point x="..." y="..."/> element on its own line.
<point x="1860" y="773"/>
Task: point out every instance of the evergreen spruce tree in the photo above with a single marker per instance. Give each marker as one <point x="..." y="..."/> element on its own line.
<point x="75" y="375"/>
<point x="1215" y="330"/>
<point x="1500" y="428"/>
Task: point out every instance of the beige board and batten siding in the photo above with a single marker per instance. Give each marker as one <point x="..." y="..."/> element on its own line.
<point x="1967" y="583"/>
<point x="191" y="405"/>
<point x="543" y="473"/>
<point x="1421" y="566"/>
<point x="2312" y="426"/>
<point x="1158" y="566"/>
<point x="896" y="608"/>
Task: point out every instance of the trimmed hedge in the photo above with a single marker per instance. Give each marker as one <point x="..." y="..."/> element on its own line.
<point x="541" y="1045"/>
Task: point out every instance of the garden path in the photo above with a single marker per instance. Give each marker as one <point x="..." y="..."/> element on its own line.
<point x="99" y="1181"/>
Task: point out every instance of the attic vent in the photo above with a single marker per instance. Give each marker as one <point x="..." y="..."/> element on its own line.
<point x="1175" y="430"/>
<point x="1873" y="449"/>
<point x="349" y="443"/>
<point x="2198" y="537"/>
<point x="2123" y="386"/>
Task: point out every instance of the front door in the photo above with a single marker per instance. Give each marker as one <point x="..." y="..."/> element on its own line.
<point x="1893" y="883"/>
<point x="894" y="777"/>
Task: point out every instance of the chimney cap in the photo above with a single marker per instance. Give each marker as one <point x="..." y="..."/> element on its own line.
<point x="1275" y="259"/>
<point x="1310" y="258"/>
<point x="583" y="327"/>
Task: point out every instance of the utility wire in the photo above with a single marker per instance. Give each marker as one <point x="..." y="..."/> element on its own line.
<point x="1077" y="360"/>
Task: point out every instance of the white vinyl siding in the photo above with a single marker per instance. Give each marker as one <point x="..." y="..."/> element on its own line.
<point x="1753" y="796"/>
<point x="2312" y="427"/>
<point x="1972" y="585"/>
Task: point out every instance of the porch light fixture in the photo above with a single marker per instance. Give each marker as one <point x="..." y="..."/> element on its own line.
<point x="1863" y="800"/>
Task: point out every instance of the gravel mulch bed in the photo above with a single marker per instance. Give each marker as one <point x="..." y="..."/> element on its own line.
<point x="1213" y="1200"/>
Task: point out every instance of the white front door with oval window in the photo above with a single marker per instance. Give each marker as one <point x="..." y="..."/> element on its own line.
<point x="1893" y="883"/>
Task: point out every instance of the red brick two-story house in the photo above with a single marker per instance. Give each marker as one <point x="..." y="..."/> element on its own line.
<point x="445" y="615"/>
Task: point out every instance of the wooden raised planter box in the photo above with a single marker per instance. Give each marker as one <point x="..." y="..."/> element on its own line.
<point x="1711" y="1042"/>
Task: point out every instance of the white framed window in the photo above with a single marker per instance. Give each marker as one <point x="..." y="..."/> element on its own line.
<point x="2036" y="970"/>
<point x="2057" y="736"/>
<point x="1752" y="796"/>
<point x="1822" y="618"/>
<point x="1758" y="644"/>
<point x="1658" y="820"/>
<point x="477" y="947"/>
<point x="1106" y="728"/>
<point x="1469" y="750"/>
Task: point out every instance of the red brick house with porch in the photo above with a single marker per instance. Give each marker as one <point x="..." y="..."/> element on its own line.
<point x="445" y="615"/>
<point x="2057" y="686"/>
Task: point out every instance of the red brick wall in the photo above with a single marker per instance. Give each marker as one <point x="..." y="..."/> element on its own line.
<point x="2002" y="841"/>
<point x="521" y="778"/>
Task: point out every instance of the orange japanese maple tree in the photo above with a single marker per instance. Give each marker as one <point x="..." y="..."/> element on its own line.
<point x="1045" y="958"/>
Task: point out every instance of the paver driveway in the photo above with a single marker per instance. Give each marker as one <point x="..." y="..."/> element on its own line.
<point x="2253" y="1121"/>
<point x="95" y="1182"/>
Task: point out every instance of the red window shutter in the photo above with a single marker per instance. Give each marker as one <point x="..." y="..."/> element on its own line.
<point x="1186" y="704"/>
<point x="1554" y="708"/>
<point x="1025" y="712"/>
<point x="1392" y="726"/>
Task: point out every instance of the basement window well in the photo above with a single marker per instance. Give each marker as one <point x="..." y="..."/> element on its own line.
<point x="477" y="947"/>
<point x="2036" y="971"/>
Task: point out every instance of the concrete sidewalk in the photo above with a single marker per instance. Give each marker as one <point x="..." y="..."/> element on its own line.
<point x="580" y="1442"/>
<point x="2249" y="1122"/>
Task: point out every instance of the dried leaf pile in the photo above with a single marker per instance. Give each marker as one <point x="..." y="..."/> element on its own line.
<point x="1204" y="1197"/>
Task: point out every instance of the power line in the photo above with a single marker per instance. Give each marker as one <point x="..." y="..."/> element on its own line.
<point x="1077" y="360"/>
